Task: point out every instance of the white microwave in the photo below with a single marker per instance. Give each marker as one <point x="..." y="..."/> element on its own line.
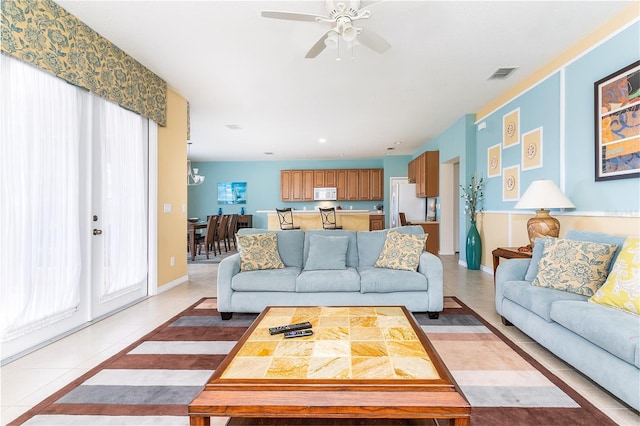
<point x="325" y="194"/>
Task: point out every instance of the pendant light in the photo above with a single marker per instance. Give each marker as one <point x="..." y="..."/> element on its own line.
<point x="193" y="178"/>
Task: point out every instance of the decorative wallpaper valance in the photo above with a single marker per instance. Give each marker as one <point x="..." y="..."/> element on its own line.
<point x="44" y="34"/>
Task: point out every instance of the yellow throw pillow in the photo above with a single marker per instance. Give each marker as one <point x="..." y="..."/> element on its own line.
<point x="401" y="251"/>
<point x="622" y="288"/>
<point x="574" y="266"/>
<point x="259" y="251"/>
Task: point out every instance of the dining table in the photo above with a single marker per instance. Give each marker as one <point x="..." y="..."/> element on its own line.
<point x="193" y="227"/>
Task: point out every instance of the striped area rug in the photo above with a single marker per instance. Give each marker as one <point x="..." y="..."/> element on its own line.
<point x="152" y="381"/>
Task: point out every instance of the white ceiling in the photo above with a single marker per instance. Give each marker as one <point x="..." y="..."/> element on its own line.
<point x="238" y="68"/>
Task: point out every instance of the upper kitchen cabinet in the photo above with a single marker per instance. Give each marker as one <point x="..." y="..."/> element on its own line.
<point x="350" y="184"/>
<point x="426" y="169"/>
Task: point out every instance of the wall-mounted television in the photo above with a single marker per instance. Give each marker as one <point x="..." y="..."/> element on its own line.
<point x="232" y="192"/>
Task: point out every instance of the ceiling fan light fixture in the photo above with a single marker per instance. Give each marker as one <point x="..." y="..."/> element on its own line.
<point x="331" y="40"/>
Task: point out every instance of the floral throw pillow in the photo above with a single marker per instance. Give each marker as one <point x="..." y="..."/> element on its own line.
<point x="401" y="251"/>
<point x="575" y="266"/>
<point x="622" y="288"/>
<point x="259" y="251"/>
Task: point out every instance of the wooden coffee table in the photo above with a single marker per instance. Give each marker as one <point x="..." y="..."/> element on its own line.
<point x="361" y="362"/>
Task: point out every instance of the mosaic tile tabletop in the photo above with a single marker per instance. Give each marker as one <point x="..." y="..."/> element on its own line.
<point x="349" y="343"/>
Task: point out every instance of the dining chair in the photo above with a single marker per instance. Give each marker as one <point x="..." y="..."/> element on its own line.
<point x="232" y="228"/>
<point x="207" y="240"/>
<point x="221" y="234"/>
<point x="285" y="216"/>
<point x="328" y="216"/>
<point x="403" y="219"/>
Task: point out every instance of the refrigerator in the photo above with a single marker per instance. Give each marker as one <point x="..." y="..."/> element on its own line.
<point x="403" y="199"/>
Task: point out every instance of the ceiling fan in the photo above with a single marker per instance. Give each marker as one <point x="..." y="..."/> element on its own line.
<point x="341" y="17"/>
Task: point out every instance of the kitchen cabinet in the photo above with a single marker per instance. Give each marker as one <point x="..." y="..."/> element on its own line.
<point x="376" y="186"/>
<point x="411" y="171"/>
<point x="319" y="177"/>
<point x="285" y="185"/>
<point x="330" y="178"/>
<point x="307" y="185"/>
<point x="376" y="222"/>
<point x="364" y="184"/>
<point x="351" y="184"/>
<point x="341" y="184"/>
<point x="433" y="241"/>
<point x="425" y="172"/>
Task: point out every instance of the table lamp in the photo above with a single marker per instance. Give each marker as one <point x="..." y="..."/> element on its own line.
<point x="543" y="194"/>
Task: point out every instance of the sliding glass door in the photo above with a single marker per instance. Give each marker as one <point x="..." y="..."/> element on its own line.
<point x="73" y="207"/>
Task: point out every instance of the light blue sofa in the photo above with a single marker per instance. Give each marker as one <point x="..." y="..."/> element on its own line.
<point x="601" y="342"/>
<point x="361" y="284"/>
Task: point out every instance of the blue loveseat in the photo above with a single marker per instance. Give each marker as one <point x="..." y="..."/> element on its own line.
<point x="601" y="342"/>
<point x="360" y="284"/>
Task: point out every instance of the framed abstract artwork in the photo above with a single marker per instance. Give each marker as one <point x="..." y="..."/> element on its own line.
<point x="511" y="183"/>
<point x="617" y="124"/>
<point x="532" y="149"/>
<point x="232" y="192"/>
<point x="494" y="161"/>
<point x="511" y="128"/>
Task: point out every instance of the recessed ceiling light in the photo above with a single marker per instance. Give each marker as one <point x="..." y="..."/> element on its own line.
<point x="398" y="143"/>
<point x="322" y="140"/>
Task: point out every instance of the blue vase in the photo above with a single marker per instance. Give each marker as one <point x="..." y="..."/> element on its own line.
<point x="242" y="211"/>
<point x="474" y="247"/>
<point x="220" y="211"/>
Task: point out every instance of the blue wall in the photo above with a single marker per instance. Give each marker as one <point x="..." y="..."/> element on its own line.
<point x="542" y="106"/>
<point x="263" y="184"/>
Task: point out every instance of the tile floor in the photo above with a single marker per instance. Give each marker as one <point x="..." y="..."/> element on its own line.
<point x="30" y="379"/>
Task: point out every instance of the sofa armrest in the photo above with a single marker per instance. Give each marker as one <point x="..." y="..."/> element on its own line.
<point x="228" y="267"/>
<point x="431" y="267"/>
<point x="509" y="270"/>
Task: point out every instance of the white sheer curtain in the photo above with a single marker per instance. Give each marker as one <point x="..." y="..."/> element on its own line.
<point x="123" y="137"/>
<point x="39" y="184"/>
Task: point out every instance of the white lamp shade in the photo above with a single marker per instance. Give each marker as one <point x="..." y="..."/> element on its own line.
<point x="543" y="194"/>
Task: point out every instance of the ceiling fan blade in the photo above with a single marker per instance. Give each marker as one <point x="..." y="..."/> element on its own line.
<point x="318" y="47"/>
<point x="290" y="16"/>
<point x="373" y="41"/>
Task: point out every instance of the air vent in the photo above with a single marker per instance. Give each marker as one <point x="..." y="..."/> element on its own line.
<point x="502" y="73"/>
<point x="233" y="127"/>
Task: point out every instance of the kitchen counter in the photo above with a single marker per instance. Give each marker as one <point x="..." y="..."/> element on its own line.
<point x="354" y="220"/>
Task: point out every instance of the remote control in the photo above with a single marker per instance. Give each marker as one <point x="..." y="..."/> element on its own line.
<point x="299" y="333"/>
<point x="290" y="327"/>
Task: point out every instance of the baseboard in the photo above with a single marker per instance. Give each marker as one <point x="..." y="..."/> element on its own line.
<point x="172" y="284"/>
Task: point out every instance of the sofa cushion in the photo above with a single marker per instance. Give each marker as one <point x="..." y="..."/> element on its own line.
<point x="382" y="280"/>
<point x="352" y="249"/>
<point x="259" y="251"/>
<point x="290" y="244"/>
<point x="327" y="252"/>
<point x="537" y="299"/>
<point x="328" y="280"/>
<point x="536" y="255"/>
<point x="266" y="280"/>
<point x="575" y="235"/>
<point x="575" y="266"/>
<point x="401" y="251"/>
<point x="370" y="243"/>
<point x="613" y="330"/>
<point x="622" y="288"/>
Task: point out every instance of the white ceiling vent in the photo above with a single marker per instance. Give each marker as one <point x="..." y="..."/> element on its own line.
<point x="502" y="73"/>
<point x="234" y="126"/>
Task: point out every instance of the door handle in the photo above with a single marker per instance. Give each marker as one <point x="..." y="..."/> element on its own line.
<point x="97" y="231"/>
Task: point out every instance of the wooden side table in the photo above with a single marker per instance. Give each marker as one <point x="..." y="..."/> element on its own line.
<point x="507" y="253"/>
